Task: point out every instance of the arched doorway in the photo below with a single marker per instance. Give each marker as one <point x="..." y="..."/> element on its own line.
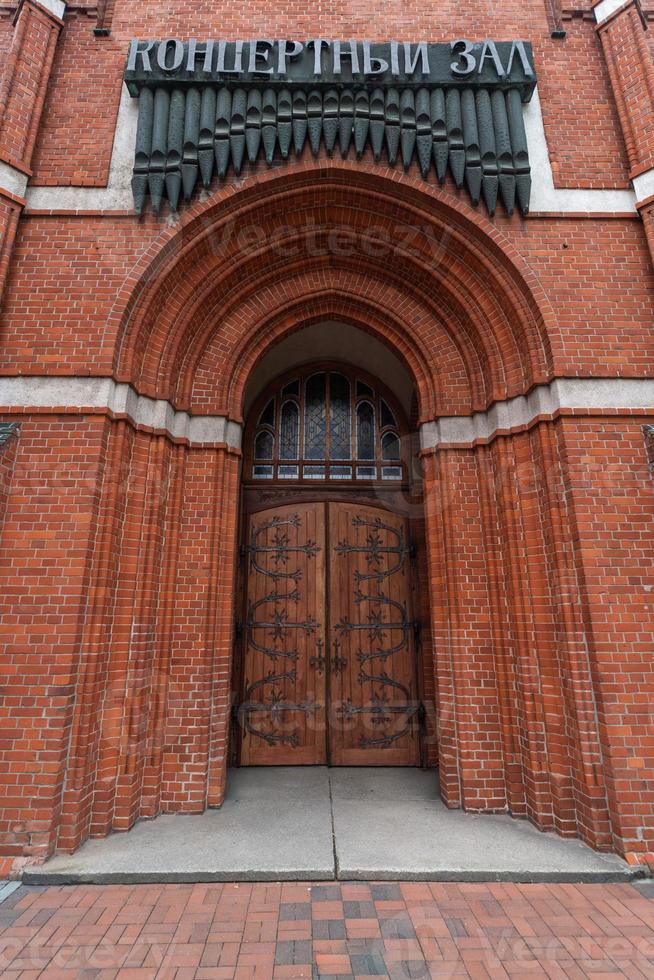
<point x="504" y="640"/>
<point x="326" y="666"/>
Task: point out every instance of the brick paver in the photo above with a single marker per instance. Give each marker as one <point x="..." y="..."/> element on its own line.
<point x="399" y="930"/>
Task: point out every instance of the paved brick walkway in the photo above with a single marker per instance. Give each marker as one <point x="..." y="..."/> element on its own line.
<point x="405" y="930"/>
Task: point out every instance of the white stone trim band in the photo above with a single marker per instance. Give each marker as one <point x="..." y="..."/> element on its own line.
<point x="117" y="195"/>
<point x="120" y="399"/>
<point x="644" y="185"/>
<point x="544" y="195"/>
<point x="604" y="9"/>
<point x="105" y="394"/>
<point x="56" y="7"/>
<point x="563" y="393"/>
<point x="11" y="180"/>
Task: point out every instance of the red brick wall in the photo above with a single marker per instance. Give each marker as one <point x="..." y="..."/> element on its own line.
<point x="76" y="138"/>
<point x="119" y="546"/>
<point x="23" y="82"/>
<point x="49" y="526"/>
<point x="580" y="117"/>
<point x="602" y="318"/>
<point x="613" y="501"/>
<point x="581" y="120"/>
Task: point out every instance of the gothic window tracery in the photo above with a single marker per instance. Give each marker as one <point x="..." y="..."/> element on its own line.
<point x="326" y="425"/>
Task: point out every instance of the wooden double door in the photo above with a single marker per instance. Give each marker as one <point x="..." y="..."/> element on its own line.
<point x="328" y="642"/>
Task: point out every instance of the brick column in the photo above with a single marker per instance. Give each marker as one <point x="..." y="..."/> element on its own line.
<point x="621" y="28"/>
<point x="23" y="86"/>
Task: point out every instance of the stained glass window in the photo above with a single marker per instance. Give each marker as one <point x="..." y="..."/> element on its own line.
<point x="390" y="446"/>
<point x="321" y="417"/>
<point x="340" y="436"/>
<point x="263" y="446"/>
<point x="315" y="417"/>
<point x="267" y="417"/>
<point x="289" y="439"/>
<point x="365" y="431"/>
<point x="387" y="417"/>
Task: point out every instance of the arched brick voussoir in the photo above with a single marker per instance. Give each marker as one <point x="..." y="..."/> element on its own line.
<point x="477" y="318"/>
<point x="450" y="361"/>
<point x="439" y="273"/>
<point x="333" y="302"/>
<point x="156" y="284"/>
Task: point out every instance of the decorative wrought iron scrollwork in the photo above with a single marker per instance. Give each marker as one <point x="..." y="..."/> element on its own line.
<point x="276" y="626"/>
<point x="275" y="706"/>
<point x="374" y="549"/>
<point x="280" y="549"/>
<point x="376" y="626"/>
<point x="382" y="711"/>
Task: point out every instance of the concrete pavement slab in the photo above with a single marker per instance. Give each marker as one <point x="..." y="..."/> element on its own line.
<point x="391" y="824"/>
<point x="383" y="783"/>
<point x="313" y="823"/>
<point x="275" y="825"/>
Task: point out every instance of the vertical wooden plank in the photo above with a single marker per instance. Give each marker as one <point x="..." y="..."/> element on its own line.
<point x="282" y="714"/>
<point x="374" y="706"/>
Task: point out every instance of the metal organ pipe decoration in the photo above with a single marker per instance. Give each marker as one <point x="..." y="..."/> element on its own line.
<point x="184" y="138"/>
<point x="192" y="128"/>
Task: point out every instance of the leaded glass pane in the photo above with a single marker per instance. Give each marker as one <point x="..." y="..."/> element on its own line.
<point x="340" y="437"/>
<point x="289" y="437"/>
<point x="263" y="445"/>
<point x="365" y="431"/>
<point x="315" y="418"/>
<point x="390" y="446"/>
<point x="267" y="417"/>
<point x="387" y="417"/>
<point x="331" y="409"/>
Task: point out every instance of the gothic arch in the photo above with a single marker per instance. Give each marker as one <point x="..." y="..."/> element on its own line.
<point x="425" y="266"/>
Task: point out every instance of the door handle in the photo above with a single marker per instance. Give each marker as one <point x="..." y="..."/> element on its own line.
<point x="318" y="660"/>
<point x="336" y="663"/>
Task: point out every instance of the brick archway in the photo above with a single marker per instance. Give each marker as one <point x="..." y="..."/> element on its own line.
<point x="440" y="286"/>
<point x="417" y="256"/>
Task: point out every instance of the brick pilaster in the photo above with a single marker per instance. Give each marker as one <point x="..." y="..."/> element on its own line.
<point x="622" y="34"/>
<point x="23" y="86"/>
<point x="621" y="28"/>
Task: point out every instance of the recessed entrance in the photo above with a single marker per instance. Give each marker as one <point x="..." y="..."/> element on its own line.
<point x="327" y="671"/>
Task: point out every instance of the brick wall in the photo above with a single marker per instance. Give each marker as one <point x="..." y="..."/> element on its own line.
<point x="49" y="526"/>
<point x="119" y="541"/>
<point x="580" y="116"/>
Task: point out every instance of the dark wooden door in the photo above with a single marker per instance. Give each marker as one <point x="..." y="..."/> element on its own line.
<point x="329" y="658"/>
<point x="283" y="713"/>
<point x="373" y="705"/>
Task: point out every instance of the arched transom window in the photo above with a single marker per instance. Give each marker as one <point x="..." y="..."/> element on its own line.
<point x="330" y="425"/>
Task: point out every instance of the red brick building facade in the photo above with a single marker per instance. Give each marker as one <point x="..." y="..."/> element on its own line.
<point x="136" y="348"/>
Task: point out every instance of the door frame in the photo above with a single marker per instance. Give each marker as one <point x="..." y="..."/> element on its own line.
<point x="257" y="499"/>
